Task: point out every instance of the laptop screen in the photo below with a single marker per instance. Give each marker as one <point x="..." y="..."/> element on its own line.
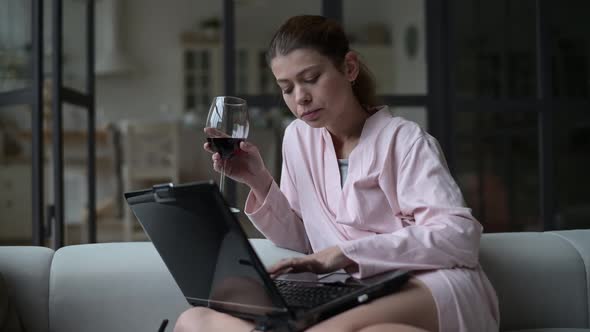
<point x="204" y="247"/>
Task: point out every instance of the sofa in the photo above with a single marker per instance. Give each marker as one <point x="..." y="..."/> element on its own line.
<point x="542" y="280"/>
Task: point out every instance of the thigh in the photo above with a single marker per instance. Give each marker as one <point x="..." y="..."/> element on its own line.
<point x="200" y="319"/>
<point x="413" y="305"/>
<point x="391" y="327"/>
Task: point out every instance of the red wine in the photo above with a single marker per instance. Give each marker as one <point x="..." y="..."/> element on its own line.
<point x="227" y="147"/>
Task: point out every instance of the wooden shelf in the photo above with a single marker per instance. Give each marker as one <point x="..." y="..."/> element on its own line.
<point x="70" y="136"/>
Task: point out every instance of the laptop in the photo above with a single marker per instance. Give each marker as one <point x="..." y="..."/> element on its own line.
<point x="211" y="259"/>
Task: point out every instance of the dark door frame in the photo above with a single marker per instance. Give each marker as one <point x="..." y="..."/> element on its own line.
<point x="49" y="220"/>
<point x="84" y="100"/>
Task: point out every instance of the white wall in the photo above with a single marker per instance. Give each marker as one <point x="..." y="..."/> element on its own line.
<point x="149" y="34"/>
<point x="409" y="73"/>
<point x="151" y="31"/>
<point x="257" y="20"/>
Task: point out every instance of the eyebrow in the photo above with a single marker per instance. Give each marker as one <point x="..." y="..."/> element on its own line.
<point x="301" y="73"/>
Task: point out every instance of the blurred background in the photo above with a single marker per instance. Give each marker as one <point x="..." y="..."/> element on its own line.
<point x="504" y="85"/>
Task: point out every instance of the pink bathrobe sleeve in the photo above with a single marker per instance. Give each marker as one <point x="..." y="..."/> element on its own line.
<point x="278" y="218"/>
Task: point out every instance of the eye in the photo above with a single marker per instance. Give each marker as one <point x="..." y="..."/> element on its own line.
<point x="311" y="79"/>
<point x="285" y="87"/>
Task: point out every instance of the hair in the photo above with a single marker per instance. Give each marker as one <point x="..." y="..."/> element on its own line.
<point x="327" y="37"/>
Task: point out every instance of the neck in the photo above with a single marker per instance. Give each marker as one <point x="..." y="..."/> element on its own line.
<point x="346" y="133"/>
<point x="350" y="125"/>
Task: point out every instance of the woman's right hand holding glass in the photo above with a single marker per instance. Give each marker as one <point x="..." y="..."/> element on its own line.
<point x="246" y="166"/>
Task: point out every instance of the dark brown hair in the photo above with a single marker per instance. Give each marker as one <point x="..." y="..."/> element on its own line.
<point x="327" y="37"/>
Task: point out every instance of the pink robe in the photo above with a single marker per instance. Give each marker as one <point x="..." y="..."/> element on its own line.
<point x="399" y="208"/>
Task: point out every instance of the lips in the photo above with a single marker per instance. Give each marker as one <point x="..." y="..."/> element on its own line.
<point x="310" y="115"/>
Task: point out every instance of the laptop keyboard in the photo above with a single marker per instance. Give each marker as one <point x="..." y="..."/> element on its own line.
<point x="301" y="294"/>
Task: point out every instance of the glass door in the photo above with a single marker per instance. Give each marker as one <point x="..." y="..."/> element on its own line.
<point x="520" y="101"/>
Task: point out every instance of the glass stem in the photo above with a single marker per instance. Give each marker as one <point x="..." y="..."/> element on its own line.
<point x="222" y="180"/>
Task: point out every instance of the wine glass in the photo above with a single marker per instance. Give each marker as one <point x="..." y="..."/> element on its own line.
<point x="227" y="125"/>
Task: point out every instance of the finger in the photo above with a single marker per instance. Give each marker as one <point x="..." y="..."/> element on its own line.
<point x="280" y="268"/>
<point x="297" y="265"/>
<point x="207" y="147"/>
<point x="217" y="162"/>
<point x="301" y="267"/>
<point x="216" y="157"/>
<point x="275" y="268"/>
<point x="245" y="146"/>
<point x="248" y="147"/>
<point x="281" y="265"/>
<point x="281" y="272"/>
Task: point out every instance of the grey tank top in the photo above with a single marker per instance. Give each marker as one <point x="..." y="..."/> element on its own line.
<point x="343" y="165"/>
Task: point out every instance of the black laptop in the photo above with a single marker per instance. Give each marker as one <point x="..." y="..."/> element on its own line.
<point x="211" y="259"/>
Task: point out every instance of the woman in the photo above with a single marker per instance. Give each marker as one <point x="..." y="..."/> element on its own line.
<point x="360" y="190"/>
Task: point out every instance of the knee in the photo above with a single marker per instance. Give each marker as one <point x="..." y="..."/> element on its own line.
<point x="192" y="320"/>
<point x="391" y="328"/>
<point x="385" y="327"/>
<point x="332" y="327"/>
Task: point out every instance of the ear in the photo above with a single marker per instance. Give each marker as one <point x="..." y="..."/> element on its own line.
<point x="351" y="66"/>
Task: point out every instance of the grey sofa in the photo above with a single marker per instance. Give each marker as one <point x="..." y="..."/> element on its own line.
<point x="542" y="280"/>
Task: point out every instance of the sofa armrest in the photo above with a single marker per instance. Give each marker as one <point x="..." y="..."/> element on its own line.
<point x="26" y="273"/>
<point x="541" y="278"/>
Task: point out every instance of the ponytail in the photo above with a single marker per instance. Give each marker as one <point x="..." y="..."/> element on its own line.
<point x="364" y="87"/>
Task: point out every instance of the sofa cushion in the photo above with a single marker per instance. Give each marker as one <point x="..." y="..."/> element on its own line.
<point x="548" y="290"/>
<point x="95" y="287"/>
<point x="9" y="321"/>
<point x="26" y="272"/>
<point x="112" y="287"/>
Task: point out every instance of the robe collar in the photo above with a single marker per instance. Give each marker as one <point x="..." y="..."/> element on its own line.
<point x="333" y="188"/>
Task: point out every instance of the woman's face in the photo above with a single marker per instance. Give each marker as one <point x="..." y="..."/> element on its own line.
<point x="313" y="88"/>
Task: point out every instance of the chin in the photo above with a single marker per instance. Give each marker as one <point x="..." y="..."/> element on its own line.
<point x="315" y="124"/>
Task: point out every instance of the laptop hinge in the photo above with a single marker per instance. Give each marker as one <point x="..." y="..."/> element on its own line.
<point x="163" y="192"/>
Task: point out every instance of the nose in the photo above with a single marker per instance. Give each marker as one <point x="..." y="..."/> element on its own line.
<point x="302" y="96"/>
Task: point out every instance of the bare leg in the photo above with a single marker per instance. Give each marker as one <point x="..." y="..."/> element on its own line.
<point x="412" y="309"/>
<point x="203" y="319"/>
<point x="391" y="328"/>
<point x="413" y="306"/>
